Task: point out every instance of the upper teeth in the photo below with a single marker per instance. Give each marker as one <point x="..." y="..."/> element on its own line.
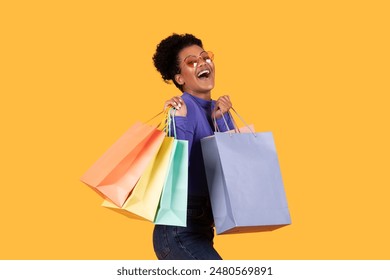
<point x="203" y="72"/>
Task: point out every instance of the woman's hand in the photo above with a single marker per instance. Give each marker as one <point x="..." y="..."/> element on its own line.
<point x="222" y="106"/>
<point x="177" y="103"/>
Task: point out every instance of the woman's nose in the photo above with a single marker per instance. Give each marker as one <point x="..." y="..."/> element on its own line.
<point x="201" y="61"/>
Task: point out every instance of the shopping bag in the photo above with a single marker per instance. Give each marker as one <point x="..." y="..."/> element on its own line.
<point x="245" y="182"/>
<point x="145" y="197"/>
<point x="173" y="203"/>
<point x="116" y="172"/>
<point x="163" y="186"/>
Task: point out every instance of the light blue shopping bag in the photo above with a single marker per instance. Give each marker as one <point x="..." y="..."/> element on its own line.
<point x="245" y="182"/>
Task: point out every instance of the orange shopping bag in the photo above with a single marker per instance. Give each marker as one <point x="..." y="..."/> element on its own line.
<point x="117" y="171"/>
<point x="145" y="197"/>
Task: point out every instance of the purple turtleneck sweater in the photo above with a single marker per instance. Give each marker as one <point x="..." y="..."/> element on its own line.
<point x="195" y="126"/>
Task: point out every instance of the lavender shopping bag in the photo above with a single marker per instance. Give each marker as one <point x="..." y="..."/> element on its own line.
<point x="245" y="182"/>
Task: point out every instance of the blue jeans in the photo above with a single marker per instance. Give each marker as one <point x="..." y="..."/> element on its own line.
<point x="194" y="242"/>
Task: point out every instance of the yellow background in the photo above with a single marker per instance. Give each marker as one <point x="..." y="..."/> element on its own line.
<point x="76" y="74"/>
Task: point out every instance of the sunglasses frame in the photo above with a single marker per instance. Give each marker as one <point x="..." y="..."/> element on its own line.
<point x="195" y="64"/>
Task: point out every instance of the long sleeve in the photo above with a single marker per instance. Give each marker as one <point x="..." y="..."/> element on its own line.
<point x="182" y="132"/>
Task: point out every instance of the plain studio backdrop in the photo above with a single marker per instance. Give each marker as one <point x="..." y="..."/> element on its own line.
<point x="75" y="75"/>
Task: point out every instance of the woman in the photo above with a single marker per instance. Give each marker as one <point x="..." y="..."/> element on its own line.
<point x="182" y="59"/>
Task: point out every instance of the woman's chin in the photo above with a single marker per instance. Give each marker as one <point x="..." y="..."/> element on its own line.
<point x="207" y="84"/>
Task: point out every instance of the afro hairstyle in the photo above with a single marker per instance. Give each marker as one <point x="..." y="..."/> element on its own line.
<point x="166" y="57"/>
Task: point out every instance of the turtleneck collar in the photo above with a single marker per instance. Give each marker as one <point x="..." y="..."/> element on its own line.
<point x="203" y="103"/>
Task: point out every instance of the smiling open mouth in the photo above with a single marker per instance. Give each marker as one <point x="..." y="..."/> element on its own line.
<point x="204" y="74"/>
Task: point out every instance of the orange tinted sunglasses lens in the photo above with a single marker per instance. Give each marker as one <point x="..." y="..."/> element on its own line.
<point x="191" y="61"/>
<point x="207" y="56"/>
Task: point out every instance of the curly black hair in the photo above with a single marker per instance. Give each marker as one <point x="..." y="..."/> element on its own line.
<point x="166" y="57"/>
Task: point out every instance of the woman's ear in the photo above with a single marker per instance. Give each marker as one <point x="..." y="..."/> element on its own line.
<point x="179" y="79"/>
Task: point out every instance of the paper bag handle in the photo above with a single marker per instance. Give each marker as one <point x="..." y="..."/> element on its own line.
<point x="162" y="125"/>
<point x="171" y="119"/>
<point x="236" y="129"/>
